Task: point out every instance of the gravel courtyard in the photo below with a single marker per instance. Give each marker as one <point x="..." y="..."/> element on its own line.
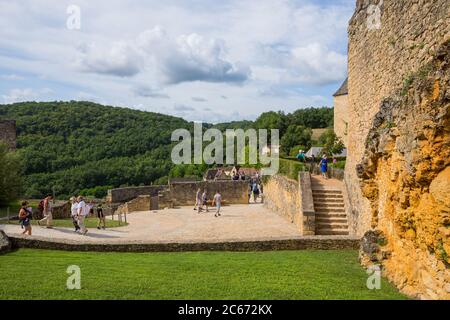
<point x="238" y="222"/>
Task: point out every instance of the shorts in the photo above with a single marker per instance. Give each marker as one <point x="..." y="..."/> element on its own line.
<point x="100" y="214"/>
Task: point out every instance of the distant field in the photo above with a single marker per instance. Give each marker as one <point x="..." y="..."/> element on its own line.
<point x="29" y="274"/>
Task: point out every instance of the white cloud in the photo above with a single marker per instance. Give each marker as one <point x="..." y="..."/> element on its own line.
<point x="294" y="51"/>
<point x="19" y="95"/>
<point x="121" y="59"/>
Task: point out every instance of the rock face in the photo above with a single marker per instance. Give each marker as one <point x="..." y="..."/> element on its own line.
<point x="5" y="244"/>
<point x="399" y="175"/>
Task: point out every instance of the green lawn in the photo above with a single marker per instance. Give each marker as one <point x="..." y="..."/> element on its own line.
<point x="67" y="223"/>
<point x="41" y="274"/>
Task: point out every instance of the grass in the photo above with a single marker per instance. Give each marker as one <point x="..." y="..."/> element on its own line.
<point x="67" y="223"/>
<point x="41" y="274"/>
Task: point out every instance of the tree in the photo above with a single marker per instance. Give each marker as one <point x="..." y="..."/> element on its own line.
<point x="295" y="135"/>
<point x="10" y="176"/>
<point x="272" y="120"/>
<point x="331" y="142"/>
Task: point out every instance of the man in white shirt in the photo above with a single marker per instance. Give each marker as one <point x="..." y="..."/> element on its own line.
<point x="82" y="212"/>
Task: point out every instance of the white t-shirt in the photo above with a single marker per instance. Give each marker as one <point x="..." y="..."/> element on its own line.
<point x="218" y="199"/>
<point x="83" y="209"/>
<point x="74" y="209"/>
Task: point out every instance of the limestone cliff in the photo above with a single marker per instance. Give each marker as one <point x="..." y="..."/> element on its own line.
<point x="406" y="177"/>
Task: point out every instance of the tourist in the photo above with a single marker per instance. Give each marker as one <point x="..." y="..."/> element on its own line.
<point x="82" y="213"/>
<point x="25" y="215"/>
<point x="324" y="166"/>
<point x="46" y="207"/>
<point x="205" y="200"/>
<point x="74" y="213"/>
<point x="301" y="156"/>
<point x="198" y="201"/>
<point x="217" y="201"/>
<point x="101" y="218"/>
<point x="255" y="192"/>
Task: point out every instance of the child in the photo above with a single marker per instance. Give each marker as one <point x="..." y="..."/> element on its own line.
<point x="25" y="215"/>
<point x="101" y="217"/>
<point x="218" y="202"/>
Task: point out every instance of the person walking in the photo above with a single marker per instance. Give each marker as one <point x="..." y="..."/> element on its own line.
<point x="25" y="215"/>
<point x="74" y="213"/>
<point x="46" y="206"/>
<point x="255" y="190"/>
<point x="217" y="201"/>
<point x="324" y="166"/>
<point x="101" y="218"/>
<point x="205" y="200"/>
<point x="82" y="213"/>
<point x="198" y="201"/>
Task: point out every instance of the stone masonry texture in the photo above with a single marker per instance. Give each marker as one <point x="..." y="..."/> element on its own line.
<point x="398" y="170"/>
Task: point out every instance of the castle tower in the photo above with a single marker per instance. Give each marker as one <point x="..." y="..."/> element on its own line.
<point x="341" y="112"/>
<point x="8" y="133"/>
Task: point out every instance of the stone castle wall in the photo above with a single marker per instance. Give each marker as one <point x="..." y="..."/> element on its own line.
<point x="341" y="117"/>
<point x="399" y="143"/>
<point x="8" y="133"/>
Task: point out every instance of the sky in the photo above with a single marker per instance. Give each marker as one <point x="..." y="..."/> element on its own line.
<point x="211" y="61"/>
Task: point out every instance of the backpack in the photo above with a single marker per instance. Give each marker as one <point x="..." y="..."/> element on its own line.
<point x="41" y="206"/>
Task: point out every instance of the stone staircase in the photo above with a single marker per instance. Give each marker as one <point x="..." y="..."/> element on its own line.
<point x="331" y="218"/>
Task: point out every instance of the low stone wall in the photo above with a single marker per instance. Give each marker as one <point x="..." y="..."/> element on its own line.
<point x="60" y="210"/>
<point x="233" y="192"/>
<point x="306" y="243"/>
<point x="5" y="243"/>
<point x="122" y="195"/>
<point x="293" y="200"/>
<point x="141" y="203"/>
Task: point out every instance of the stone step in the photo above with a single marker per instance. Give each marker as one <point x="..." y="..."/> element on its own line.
<point x="329" y="210"/>
<point x="329" y="199"/>
<point x="331" y="215"/>
<point x="326" y="192"/>
<point x="318" y="205"/>
<point x="332" y="226"/>
<point x="331" y="232"/>
<point x="331" y="220"/>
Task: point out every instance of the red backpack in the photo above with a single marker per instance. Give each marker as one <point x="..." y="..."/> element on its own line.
<point x="41" y="205"/>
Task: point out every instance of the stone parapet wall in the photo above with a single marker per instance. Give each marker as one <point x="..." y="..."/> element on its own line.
<point x="122" y="195"/>
<point x="292" y="199"/>
<point x="233" y="192"/>
<point x="304" y="243"/>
